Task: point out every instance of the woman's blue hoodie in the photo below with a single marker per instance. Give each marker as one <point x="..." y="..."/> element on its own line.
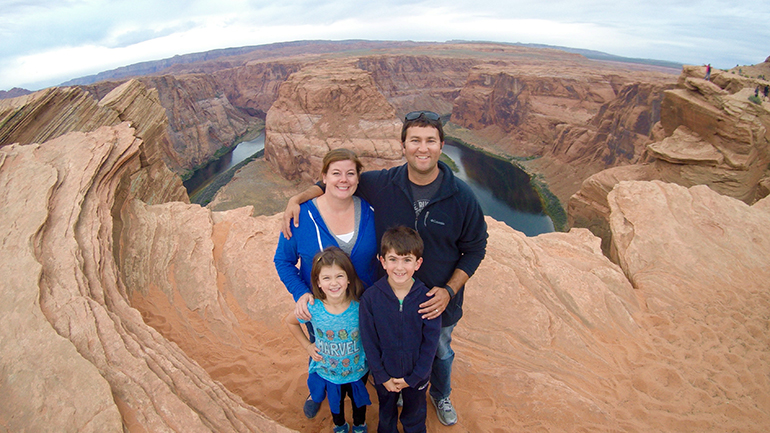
<point x="312" y="236"/>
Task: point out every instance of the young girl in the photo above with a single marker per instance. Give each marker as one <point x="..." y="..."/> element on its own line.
<point x="338" y="364"/>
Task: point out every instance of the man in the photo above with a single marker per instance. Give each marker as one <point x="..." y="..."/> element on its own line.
<point x="425" y="194"/>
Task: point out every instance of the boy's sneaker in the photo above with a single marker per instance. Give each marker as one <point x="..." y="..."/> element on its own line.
<point x="445" y="411"/>
<point x="360" y="428"/>
<point x="341" y="428"/>
<point x="311" y="408"/>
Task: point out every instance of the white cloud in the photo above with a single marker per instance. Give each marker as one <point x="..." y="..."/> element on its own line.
<point x="46" y="42"/>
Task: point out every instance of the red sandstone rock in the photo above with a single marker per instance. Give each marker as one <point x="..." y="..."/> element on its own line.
<point x="711" y="137"/>
<point x="326" y="106"/>
<point x="50" y="113"/>
<point x="75" y="355"/>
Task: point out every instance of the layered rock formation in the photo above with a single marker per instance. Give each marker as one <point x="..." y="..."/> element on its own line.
<point x="76" y="356"/>
<point x="200" y="118"/>
<point x="425" y="82"/>
<point x="711" y="134"/>
<point x="566" y="119"/>
<point x="325" y="106"/>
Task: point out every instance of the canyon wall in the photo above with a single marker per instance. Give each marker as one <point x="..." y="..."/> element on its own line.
<point x="563" y="120"/>
<point x="422" y="82"/>
<point x="710" y="134"/>
<point x="200" y="118"/>
<point x="325" y="106"/>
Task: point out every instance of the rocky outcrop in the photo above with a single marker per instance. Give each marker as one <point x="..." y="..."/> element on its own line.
<point x="325" y="106"/>
<point x="412" y="82"/>
<point x="76" y="356"/>
<point x="709" y="136"/>
<point x="200" y="118"/>
<point x="51" y="113"/>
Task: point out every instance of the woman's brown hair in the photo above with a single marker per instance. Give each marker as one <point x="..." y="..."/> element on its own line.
<point x="341" y="154"/>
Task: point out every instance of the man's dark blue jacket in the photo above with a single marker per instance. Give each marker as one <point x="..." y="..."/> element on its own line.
<point x="397" y="341"/>
<point x="452" y="226"/>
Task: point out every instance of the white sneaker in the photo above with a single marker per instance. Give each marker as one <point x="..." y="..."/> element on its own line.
<point x="445" y="411"/>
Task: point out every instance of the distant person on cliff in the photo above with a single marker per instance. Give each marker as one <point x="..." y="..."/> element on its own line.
<point x="708" y="73"/>
<point x="766" y="91"/>
<point x="336" y="218"/>
<point x="425" y="194"/>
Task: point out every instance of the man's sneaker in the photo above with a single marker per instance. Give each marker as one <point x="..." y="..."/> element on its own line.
<point x="360" y="428"/>
<point x="311" y="408"/>
<point x="445" y="411"/>
<point x="341" y="428"/>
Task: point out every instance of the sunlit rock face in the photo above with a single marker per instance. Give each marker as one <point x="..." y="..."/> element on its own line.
<point x="75" y="355"/>
<point x="326" y="106"/>
<point x="709" y="135"/>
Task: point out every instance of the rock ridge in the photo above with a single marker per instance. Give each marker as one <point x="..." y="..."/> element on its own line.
<point x="710" y="134"/>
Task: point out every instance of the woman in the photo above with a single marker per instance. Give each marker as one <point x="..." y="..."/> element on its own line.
<point x="336" y="218"/>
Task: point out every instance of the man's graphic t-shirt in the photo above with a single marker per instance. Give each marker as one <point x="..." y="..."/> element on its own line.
<point x="339" y="341"/>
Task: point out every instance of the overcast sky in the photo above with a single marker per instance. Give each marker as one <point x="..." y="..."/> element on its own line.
<point x="46" y="42"/>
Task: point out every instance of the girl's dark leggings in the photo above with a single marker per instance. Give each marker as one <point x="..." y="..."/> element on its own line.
<point x="359" y="413"/>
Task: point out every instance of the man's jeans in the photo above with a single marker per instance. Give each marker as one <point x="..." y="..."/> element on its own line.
<point x="440" y="376"/>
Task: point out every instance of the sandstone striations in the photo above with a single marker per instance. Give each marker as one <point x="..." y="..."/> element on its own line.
<point x="200" y="118"/>
<point x="50" y="113"/>
<point x="76" y="356"/>
<point x="558" y="337"/>
<point x="325" y="106"/>
<point x="710" y="135"/>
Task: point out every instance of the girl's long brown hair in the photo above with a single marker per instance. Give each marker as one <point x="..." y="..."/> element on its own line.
<point x="331" y="256"/>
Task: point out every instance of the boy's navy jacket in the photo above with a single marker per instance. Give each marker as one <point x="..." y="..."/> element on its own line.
<point x="452" y="226"/>
<point x="397" y="341"/>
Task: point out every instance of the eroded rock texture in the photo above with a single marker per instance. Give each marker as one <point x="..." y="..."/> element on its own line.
<point x="325" y="106"/>
<point x="127" y="309"/>
<point x="76" y="356"/>
<point x="709" y="136"/>
<point x="555" y="336"/>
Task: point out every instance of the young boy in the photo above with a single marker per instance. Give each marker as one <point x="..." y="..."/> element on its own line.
<point x="399" y="344"/>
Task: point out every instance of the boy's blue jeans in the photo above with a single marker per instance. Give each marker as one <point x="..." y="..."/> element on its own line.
<point x="441" y="375"/>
